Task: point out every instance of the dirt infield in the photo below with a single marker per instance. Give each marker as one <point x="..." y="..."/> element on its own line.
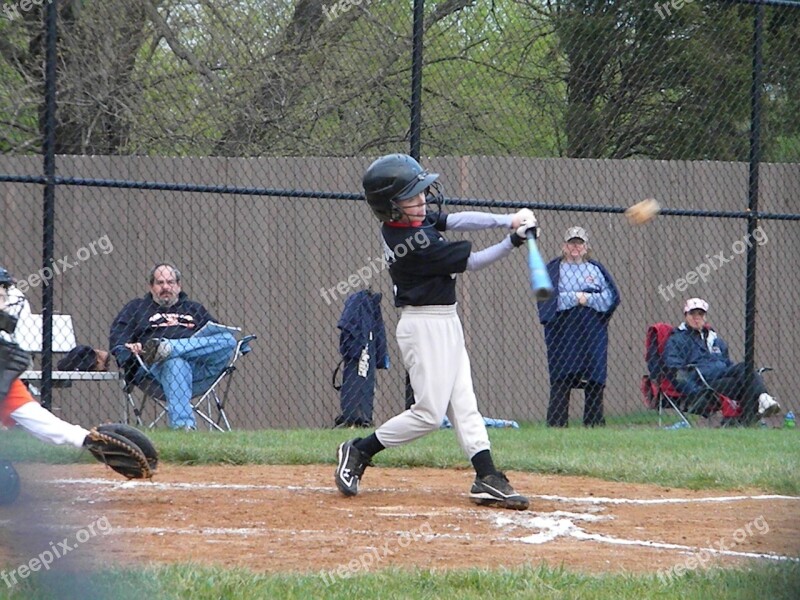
<point x="278" y="519"/>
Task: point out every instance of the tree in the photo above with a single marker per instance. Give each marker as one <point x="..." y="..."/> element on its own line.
<point x="637" y="84"/>
<point x="98" y="46"/>
<point x="579" y="78"/>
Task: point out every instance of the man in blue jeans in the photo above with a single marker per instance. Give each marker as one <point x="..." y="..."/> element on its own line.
<point x="166" y="338"/>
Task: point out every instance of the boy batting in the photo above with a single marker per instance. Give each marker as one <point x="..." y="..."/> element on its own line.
<point x="429" y="331"/>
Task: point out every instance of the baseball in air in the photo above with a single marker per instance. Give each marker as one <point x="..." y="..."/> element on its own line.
<point x="643" y="212"/>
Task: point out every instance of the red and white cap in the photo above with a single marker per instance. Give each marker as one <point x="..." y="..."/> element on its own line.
<point x="695" y="303"/>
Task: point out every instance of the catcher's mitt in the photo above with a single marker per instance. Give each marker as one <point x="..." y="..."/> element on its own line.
<point x="125" y="449"/>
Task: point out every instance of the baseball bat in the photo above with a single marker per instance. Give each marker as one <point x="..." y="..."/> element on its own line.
<point x="540" y="279"/>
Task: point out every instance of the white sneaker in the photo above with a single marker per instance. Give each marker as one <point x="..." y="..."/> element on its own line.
<point x="767" y="405"/>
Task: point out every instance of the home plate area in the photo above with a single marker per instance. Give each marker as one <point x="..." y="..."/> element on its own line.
<point x="292" y="519"/>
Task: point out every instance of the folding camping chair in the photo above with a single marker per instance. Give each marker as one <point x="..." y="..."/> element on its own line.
<point x="659" y="393"/>
<point x="203" y="405"/>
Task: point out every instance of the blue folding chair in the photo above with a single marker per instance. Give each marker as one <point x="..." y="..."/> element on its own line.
<point x="208" y="406"/>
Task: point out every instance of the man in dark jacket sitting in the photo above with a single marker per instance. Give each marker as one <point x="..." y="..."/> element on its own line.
<point x="175" y="347"/>
<point x="693" y="342"/>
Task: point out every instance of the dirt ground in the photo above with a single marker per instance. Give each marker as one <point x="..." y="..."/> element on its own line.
<point x="289" y="518"/>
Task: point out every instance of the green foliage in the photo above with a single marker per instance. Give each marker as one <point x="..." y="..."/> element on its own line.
<point x="782" y="85"/>
<point x="580" y="78"/>
<point x="638" y="84"/>
<point x="481" y="66"/>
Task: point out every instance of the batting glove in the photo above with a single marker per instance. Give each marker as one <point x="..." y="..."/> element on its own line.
<point x="528" y="224"/>
<point x="521" y="215"/>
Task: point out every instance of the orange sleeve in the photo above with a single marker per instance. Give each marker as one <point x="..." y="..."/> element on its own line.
<point x="17" y="396"/>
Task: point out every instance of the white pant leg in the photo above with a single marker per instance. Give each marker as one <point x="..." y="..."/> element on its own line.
<point x="428" y="342"/>
<point x="44" y="425"/>
<point x="431" y="341"/>
<point x="468" y="423"/>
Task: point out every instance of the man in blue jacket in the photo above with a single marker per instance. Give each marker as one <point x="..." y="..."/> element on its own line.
<point x="168" y="334"/>
<point x="694" y="342"/>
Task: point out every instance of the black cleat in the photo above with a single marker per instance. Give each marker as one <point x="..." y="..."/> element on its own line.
<point x="494" y="490"/>
<point x="350" y="467"/>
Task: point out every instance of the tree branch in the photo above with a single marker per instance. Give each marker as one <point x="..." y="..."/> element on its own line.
<point x="174" y="43"/>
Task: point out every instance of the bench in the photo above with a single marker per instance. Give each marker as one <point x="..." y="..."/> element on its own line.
<point x="28" y="335"/>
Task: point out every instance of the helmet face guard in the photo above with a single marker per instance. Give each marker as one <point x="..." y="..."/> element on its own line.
<point x="8" y="322"/>
<point x="434" y="195"/>
<point x="392" y="178"/>
<point x="6" y="280"/>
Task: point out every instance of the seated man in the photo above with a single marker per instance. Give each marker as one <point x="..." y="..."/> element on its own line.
<point x="695" y="343"/>
<point x="161" y="330"/>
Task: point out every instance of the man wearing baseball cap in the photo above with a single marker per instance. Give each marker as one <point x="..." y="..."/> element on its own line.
<point x="694" y="342"/>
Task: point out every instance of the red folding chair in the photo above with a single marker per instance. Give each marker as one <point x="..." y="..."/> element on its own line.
<point x="658" y="393"/>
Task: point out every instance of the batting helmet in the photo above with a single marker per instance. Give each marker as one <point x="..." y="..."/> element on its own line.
<point x="394" y="177"/>
<point x="6" y="279"/>
<point x="9" y="483"/>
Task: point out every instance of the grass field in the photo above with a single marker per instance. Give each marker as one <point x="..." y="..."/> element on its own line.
<point x="767" y="460"/>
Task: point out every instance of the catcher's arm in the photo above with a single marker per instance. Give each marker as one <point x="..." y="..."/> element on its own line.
<point x="123" y="448"/>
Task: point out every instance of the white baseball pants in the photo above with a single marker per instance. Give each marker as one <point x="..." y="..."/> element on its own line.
<point x="431" y="342"/>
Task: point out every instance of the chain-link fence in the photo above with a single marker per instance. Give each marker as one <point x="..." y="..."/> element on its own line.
<point x="229" y="139"/>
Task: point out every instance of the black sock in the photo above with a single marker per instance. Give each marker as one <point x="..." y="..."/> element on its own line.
<point x="483" y="463"/>
<point x="370" y="445"/>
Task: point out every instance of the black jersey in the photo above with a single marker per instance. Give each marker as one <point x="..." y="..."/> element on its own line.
<point x="423" y="264"/>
